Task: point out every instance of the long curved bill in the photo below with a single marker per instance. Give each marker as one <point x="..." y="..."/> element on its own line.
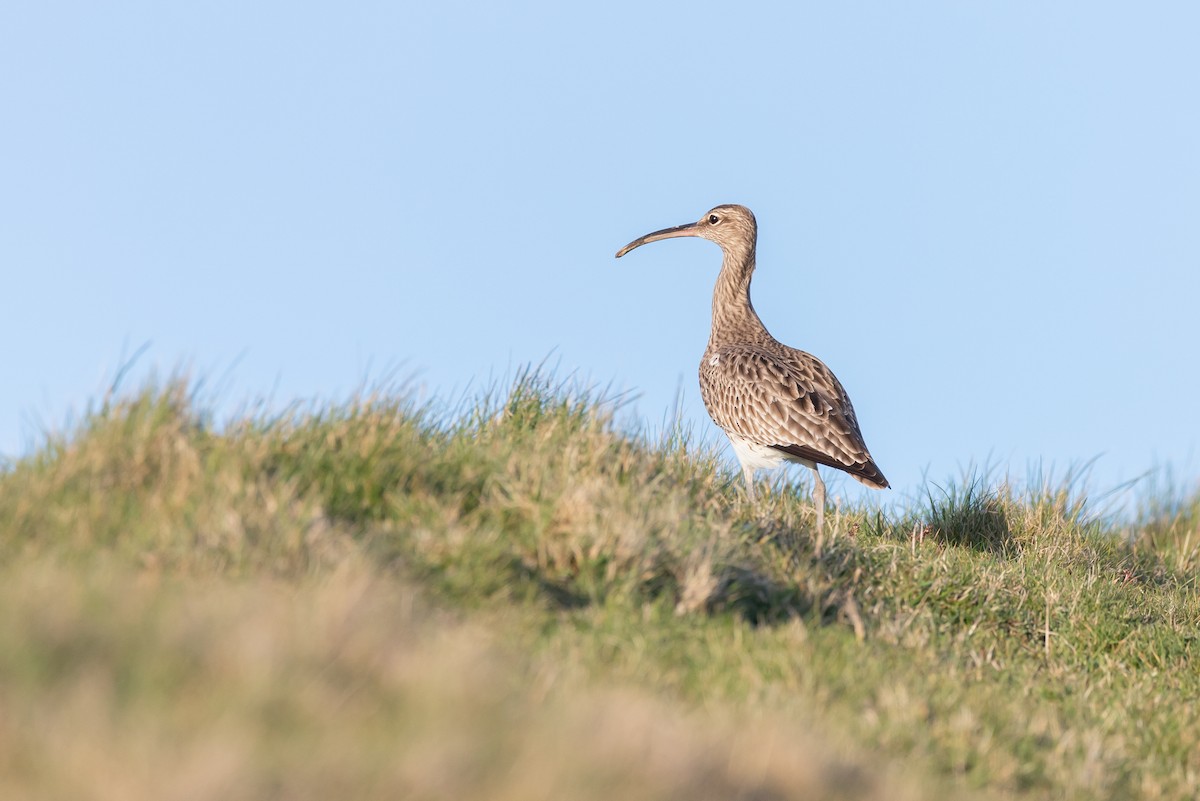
<point x="666" y="233"/>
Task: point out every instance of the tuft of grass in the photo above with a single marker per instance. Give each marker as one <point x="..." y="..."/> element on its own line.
<point x="519" y="598"/>
<point x="146" y="479"/>
<point x="1171" y="531"/>
<point x="969" y="514"/>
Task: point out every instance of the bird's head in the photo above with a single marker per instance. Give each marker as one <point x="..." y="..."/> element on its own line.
<point x="730" y="226"/>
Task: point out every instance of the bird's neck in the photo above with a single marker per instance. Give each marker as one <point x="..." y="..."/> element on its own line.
<point x="734" y="319"/>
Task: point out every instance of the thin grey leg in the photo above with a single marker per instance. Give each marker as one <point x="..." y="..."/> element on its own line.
<point x="819" y="502"/>
<point x="749" y="474"/>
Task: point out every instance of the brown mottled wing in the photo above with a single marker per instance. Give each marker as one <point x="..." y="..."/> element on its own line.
<point x="787" y="400"/>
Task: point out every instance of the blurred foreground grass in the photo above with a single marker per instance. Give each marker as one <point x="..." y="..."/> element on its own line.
<point x="519" y="600"/>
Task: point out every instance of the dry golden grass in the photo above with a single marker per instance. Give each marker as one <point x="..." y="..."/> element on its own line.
<point x="122" y="686"/>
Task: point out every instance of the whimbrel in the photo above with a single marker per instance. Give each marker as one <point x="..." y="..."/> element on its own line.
<point x="776" y="403"/>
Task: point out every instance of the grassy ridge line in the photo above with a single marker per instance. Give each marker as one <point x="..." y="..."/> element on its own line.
<point x="993" y="639"/>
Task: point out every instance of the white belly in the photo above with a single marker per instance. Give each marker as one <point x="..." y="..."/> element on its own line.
<point x="762" y="457"/>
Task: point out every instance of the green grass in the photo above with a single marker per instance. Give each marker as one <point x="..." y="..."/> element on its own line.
<point x="518" y="599"/>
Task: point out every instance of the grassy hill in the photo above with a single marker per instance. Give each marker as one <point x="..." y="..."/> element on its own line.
<point x="518" y="600"/>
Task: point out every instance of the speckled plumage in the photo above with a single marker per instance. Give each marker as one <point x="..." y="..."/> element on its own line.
<point x="788" y="400"/>
<point x="776" y="403"/>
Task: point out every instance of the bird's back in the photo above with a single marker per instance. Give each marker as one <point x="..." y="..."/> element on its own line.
<point x="775" y="396"/>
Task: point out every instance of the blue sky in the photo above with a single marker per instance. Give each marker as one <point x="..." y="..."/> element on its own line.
<point x="982" y="217"/>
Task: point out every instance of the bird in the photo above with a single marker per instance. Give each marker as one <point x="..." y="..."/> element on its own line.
<point x="775" y="403"/>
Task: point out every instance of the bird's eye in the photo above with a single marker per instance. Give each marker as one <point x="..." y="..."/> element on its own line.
<point x="713" y="219"/>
